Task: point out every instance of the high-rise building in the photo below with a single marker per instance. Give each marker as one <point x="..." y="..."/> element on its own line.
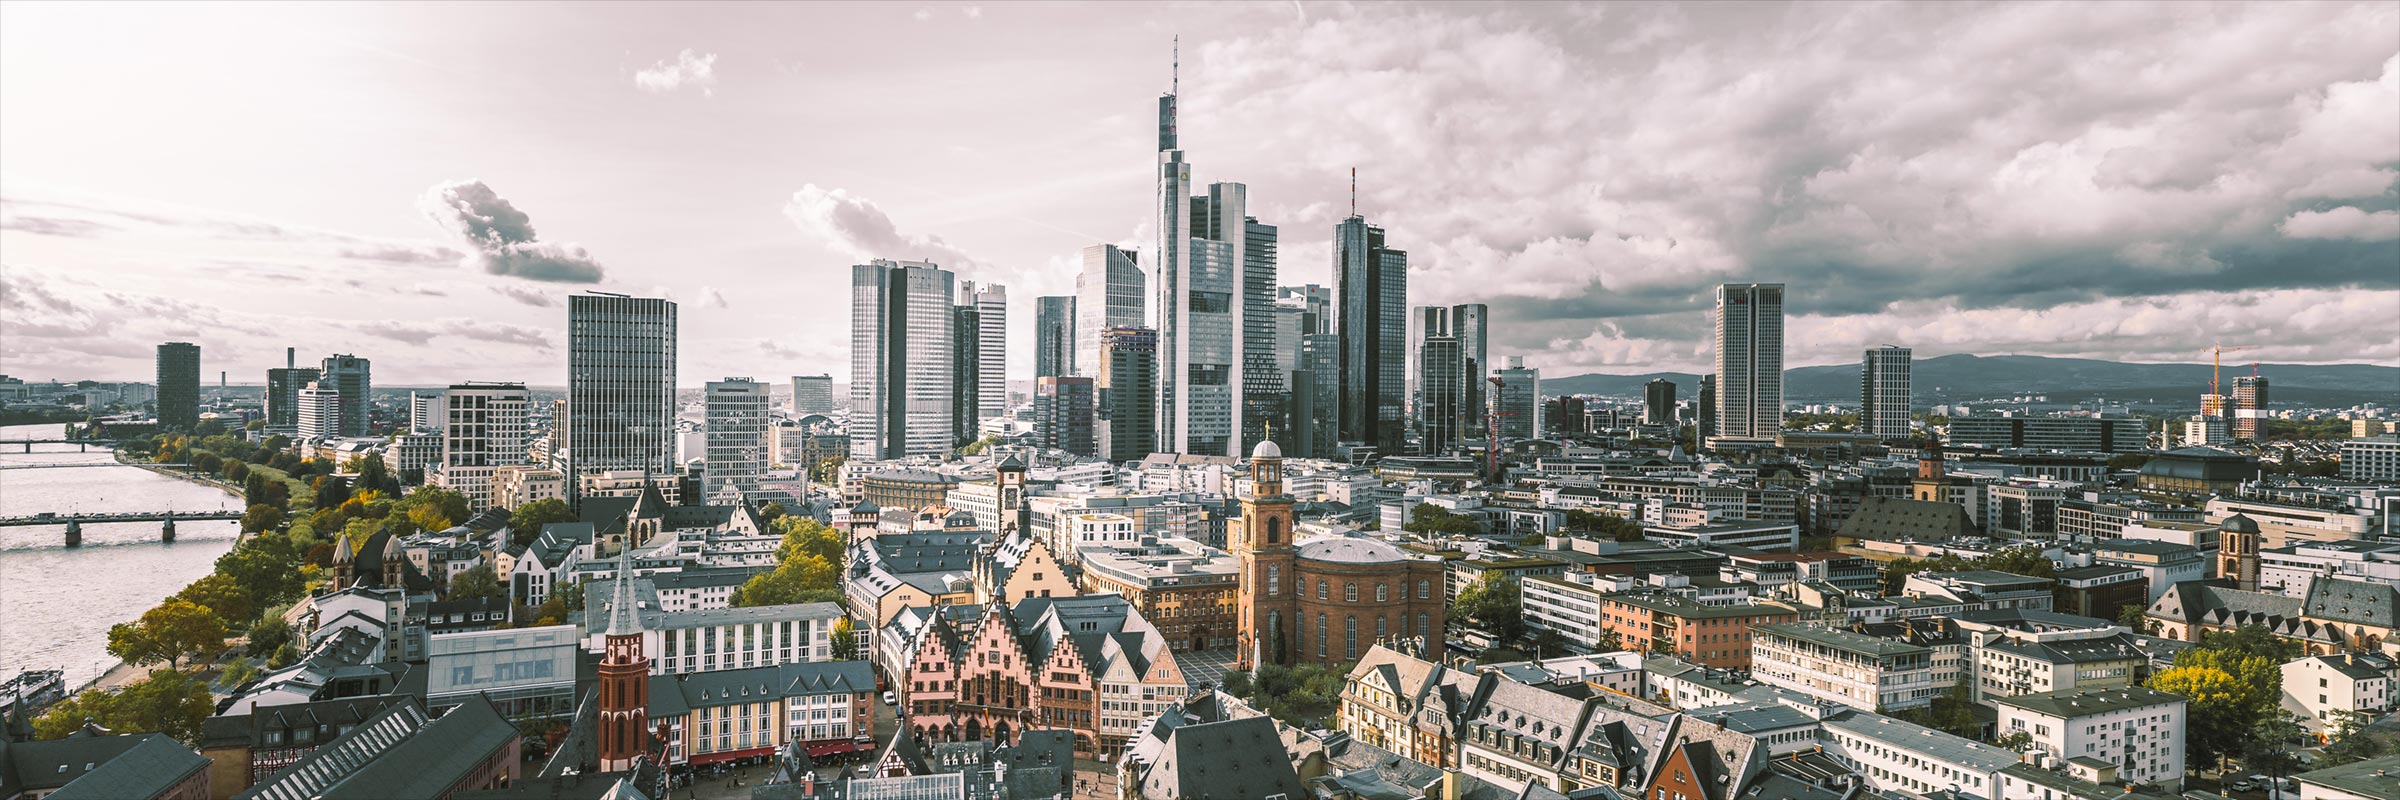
<point x="1883" y="407"/>
<point x="1371" y="315"/>
<point x="1288" y="330"/>
<point x="1441" y="376"/>
<point x="1707" y="411"/>
<point x="318" y="412"/>
<point x="1316" y="396"/>
<point x="812" y="394"/>
<point x="1471" y="323"/>
<point x="2250" y="407"/>
<point x="736" y="417"/>
<point x="1658" y="402"/>
<point x="485" y="426"/>
<point x="1215" y="317"/>
<point x="1315" y="304"/>
<point x="1054" y="336"/>
<point x="620" y="386"/>
<point x="991" y="345"/>
<point x="1125" y="394"/>
<point x="425" y="413"/>
<point x="1062" y="413"/>
<point x="178" y="386"/>
<point x="1109" y="292"/>
<point x="1749" y="361"/>
<point x="902" y="325"/>
<point x="1520" y="400"/>
<point x="966" y="377"/>
<point x="349" y="375"/>
<point x="283" y="390"/>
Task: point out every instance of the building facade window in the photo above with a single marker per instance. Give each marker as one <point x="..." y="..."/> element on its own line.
<point x="1383" y="592"/>
<point x="1350" y="637"/>
<point x="1274" y="579"/>
<point x="1349" y="593"/>
<point x="1321" y="635"/>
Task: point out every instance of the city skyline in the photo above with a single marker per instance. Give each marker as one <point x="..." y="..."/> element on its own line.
<point x="1903" y="196"/>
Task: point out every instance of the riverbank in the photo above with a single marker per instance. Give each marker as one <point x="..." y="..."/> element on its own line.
<point x="185" y="474"/>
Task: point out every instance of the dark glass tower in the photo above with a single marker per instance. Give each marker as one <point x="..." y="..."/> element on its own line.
<point x="178" y="386"/>
<point x="1371" y="316"/>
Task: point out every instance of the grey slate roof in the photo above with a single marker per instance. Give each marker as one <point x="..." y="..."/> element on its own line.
<point x="2355" y="602"/>
<point x="1234" y="758"/>
<point x="432" y="762"/>
<point x="2376" y="777"/>
<point x="155" y="764"/>
<point x="2081" y="702"/>
<point x="1894" y="519"/>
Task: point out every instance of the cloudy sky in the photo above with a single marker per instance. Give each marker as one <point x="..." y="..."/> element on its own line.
<point x="423" y="184"/>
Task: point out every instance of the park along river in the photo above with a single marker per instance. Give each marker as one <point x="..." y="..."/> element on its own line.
<point x="57" y="602"/>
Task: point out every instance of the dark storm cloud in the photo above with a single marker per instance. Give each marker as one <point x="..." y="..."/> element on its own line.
<point x="502" y="237"/>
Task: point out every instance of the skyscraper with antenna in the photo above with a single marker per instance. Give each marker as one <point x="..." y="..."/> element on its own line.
<point x="1370" y="287"/>
<point x="1218" y="387"/>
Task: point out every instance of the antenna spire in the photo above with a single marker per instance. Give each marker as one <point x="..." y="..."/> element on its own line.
<point x="1175" y="83"/>
<point x="1353" y="191"/>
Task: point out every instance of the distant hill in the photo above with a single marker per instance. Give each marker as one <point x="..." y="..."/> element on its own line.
<point x="2063" y="379"/>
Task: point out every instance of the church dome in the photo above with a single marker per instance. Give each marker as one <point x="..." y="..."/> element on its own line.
<point x="2238" y="524"/>
<point x="1266" y="449"/>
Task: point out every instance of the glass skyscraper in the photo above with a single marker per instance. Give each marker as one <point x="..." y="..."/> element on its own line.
<point x="1883" y="409"/>
<point x="902" y="325"/>
<point x="1109" y="293"/>
<point x="178" y="386"/>
<point x="1371" y="315"/>
<point x="736" y="416"/>
<point x="620" y="385"/>
<point x="1053" y="336"/>
<point x="353" y="377"/>
<point x="1749" y="361"/>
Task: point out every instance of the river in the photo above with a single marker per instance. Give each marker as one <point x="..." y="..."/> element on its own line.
<point x="56" y="603"/>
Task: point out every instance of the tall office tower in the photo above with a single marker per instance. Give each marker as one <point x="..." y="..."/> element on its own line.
<point x="1471" y="323"/>
<point x="2250" y="407"/>
<point x="812" y="394"/>
<point x="349" y="375"/>
<point x="736" y="416"/>
<point x="283" y="390"/>
<point x="1127" y="391"/>
<point x="1062" y="413"/>
<point x="966" y="375"/>
<point x="1707" y="401"/>
<point x="991" y="345"/>
<point x="1749" y="361"/>
<point x="484" y="426"/>
<point x="620" y="386"/>
<point x="1317" y="396"/>
<point x="1259" y="376"/>
<point x="1288" y="317"/>
<point x="902" y="328"/>
<point x="317" y="411"/>
<point x="425" y="413"/>
<point x="1520" y="400"/>
<point x="1883" y="393"/>
<point x="1441" y="375"/>
<point x="1054" y="336"/>
<point x="1371" y="316"/>
<point x="1658" y="402"/>
<point x="1316" y="306"/>
<point x="1212" y="262"/>
<point x="178" y="386"/>
<point x="1110" y="292"/>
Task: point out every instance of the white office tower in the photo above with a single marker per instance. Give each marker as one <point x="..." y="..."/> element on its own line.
<point x="735" y="413"/>
<point x="1520" y="400"/>
<point x="320" y="411"/>
<point x="484" y="426"/>
<point x="1109" y="293"/>
<point x="1883" y="393"/>
<point x="425" y="412"/>
<point x="991" y="355"/>
<point x="620" y="387"/>
<point x="901" y="324"/>
<point x="1749" y="362"/>
<point x="1215" y="292"/>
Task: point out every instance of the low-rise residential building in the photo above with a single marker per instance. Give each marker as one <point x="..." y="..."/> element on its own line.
<point x="2037" y="653"/>
<point x="2137" y="730"/>
<point x="1892" y="756"/>
<point x="2162" y="564"/>
<point x="711" y="639"/>
<point x="1855" y="669"/>
<point x="1185" y="588"/>
<point x="1981" y="589"/>
<point x="2319" y="687"/>
<point x="1465" y="572"/>
<point x="727" y="715"/>
<point x="1713" y="636"/>
<point x="1784" y="537"/>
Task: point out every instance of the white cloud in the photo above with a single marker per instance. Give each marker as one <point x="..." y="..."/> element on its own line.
<point x="2344" y="222"/>
<point x="698" y="71"/>
<point x="502" y="237"/>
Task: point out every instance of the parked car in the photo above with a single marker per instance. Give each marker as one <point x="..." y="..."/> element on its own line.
<point x="2242" y="785"/>
<point x="890" y="699"/>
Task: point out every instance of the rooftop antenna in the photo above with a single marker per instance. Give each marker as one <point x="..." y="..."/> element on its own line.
<point x="1353" y="191"/>
<point x="1175" y="83"/>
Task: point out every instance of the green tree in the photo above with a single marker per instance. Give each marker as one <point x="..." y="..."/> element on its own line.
<point x="434" y="508"/>
<point x="132" y="644"/>
<point x="167" y="702"/>
<point x="2268" y="747"/>
<point x="1428" y="518"/>
<point x="1607" y="525"/>
<point x="476" y="583"/>
<point x="1495" y="605"/>
<point x="771" y="511"/>
<point x="174" y="631"/>
<point x="2019" y="741"/>
<point x="828" y="470"/>
<point x="2220" y="717"/>
<point x="2136" y="617"/>
<point x="845" y="640"/>
<point x="230" y="601"/>
<point x="2252" y="640"/>
<point x="1237" y="683"/>
<point x="261" y="517"/>
<point x="2023" y="560"/>
<point x="269" y="633"/>
<point x="525" y="524"/>
<point x="2345" y="723"/>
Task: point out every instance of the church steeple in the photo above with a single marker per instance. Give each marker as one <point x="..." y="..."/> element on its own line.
<point x="624" y="684"/>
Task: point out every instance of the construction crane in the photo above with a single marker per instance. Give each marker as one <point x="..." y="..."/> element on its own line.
<point x="2217" y="363"/>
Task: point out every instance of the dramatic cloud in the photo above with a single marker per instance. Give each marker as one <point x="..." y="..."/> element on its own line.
<point x="686" y="70"/>
<point x="855" y="227"/>
<point x="502" y="237"/>
<point x="1592" y="172"/>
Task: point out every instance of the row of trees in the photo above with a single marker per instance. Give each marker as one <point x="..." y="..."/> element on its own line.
<point x="1607" y="525"/>
<point x="2023" y="560"/>
<point x="1302" y="696"/>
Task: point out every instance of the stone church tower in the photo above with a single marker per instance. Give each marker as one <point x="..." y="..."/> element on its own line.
<point x="1263" y="546"/>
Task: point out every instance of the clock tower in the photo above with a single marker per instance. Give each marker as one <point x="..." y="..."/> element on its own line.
<point x="1262" y="543"/>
